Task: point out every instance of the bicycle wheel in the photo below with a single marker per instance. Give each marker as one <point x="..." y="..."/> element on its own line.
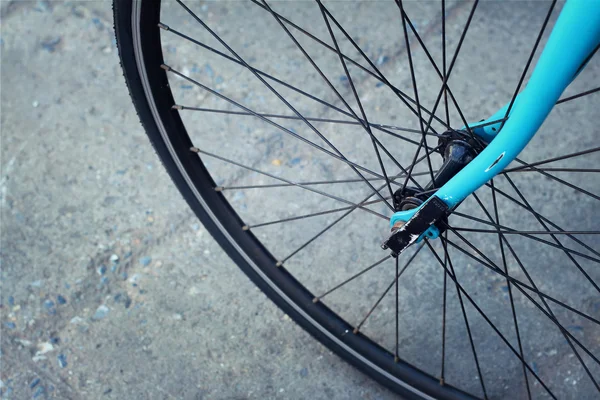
<point x="291" y="128"/>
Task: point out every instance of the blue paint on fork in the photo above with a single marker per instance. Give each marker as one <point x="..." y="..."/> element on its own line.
<point x="575" y="36"/>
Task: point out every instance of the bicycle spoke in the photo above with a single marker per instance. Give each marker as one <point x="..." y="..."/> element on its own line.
<point x="401" y="95"/>
<point x="415" y="88"/>
<point x="562" y="181"/>
<point x="502" y="240"/>
<point x="315" y="214"/>
<point x="520" y="233"/>
<point x="381" y="76"/>
<point x="464" y="312"/>
<point x="447" y="77"/>
<point x="482" y="124"/>
<point x="566" y="334"/>
<point x="328" y="227"/>
<point x="410" y="170"/>
<point x="549" y="160"/>
<point x="380" y="127"/>
<point x="396" y="357"/>
<point x="275" y="185"/>
<point x="547" y="220"/>
<point x="444" y="78"/>
<point x="446" y="88"/>
<point x="579" y="267"/>
<point x="364" y="121"/>
<point x="330" y="120"/>
<point x="328" y="82"/>
<point x="489" y="322"/>
<point x="356" y="97"/>
<point x="578" y="95"/>
<point x="284" y="129"/>
<point x="442" y="373"/>
<point x="528" y="64"/>
<point x="593" y="170"/>
<point x="283" y="100"/>
<point x="508" y="284"/>
<point x="410" y="260"/>
<point x="370" y="267"/>
<point x="515" y="232"/>
<point x="197" y="150"/>
<point x="517" y="283"/>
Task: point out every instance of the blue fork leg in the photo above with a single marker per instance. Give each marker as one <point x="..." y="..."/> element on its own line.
<point x="574" y="37"/>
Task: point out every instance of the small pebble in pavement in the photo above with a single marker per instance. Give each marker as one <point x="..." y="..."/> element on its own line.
<point x="134" y="279"/>
<point x="145" y="261"/>
<point x="114" y="258"/>
<point x="34" y="383"/>
<point x="100" y="313"/>
<point x="61" y="300"/>
<point x="50" y="45"/>
<point x="304" y="372"/>
<point x="44" y="348"/>
<point x="38" y="392"/>
<point x="11" y="301"/>
<point x="49" y="306"/>
<point x="101" y="269"/>
<point x="98" y="23"/>
<point x="209" y="71"/>
<point x="382" y="60"/>
<point x="62" y="360"/>
<point x="10" y="325"/>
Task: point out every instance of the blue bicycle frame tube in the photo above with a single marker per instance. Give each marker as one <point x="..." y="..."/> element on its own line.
<point x="575" y="35"/>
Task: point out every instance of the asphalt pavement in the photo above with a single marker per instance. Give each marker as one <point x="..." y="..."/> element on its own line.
<point x="112" y="289"/>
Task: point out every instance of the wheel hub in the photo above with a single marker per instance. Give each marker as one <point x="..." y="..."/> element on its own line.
<point x="457" y="152"/>
<point x="412" y="204"/>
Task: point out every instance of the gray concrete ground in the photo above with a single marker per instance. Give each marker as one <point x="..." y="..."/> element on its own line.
<point x="110" y="287"/>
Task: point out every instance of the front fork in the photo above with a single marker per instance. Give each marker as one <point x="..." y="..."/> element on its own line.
<point x="574" y="38"/>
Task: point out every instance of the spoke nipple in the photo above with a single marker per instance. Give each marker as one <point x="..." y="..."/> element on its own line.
<point x="279" y="264"/>
<point x="396" y="359"/>
<point x="355" y="331"/>
<point x="442" y="381"/>
<point x="245" y="227"/>
<point x="218" y="188"/>
<point x="177" y="107"/>
<point x="165" y="67"/>
<point x="163" y="26"/>
<point x="316" y="300"/>
<point x="195" y="149"/>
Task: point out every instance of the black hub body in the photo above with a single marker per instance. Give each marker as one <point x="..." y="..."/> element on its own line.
<point x="457" y="152"/>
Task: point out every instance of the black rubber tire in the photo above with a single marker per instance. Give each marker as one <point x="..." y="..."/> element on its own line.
<point x="197" y="187"/>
